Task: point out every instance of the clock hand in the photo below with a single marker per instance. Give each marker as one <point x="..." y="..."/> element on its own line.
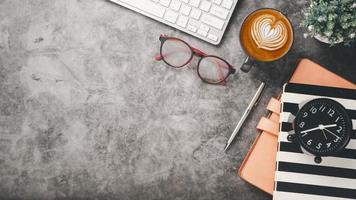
<point x="332" y="133"/>
<point x="329" y="126"/>
<point x="309" y="130"/>
<point x="321" y="127"/>
<point x="324" y="134"/>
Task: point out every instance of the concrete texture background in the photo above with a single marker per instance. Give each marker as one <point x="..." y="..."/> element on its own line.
<point x="86" y="113"/>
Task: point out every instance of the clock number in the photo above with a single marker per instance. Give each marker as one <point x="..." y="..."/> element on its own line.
<point x="301" y="125"/>
<point x="319" y="146"/>
<point x="305" y="114"/>
<point x="340" y="129"/>
<point x="309" y="142"/>
<point x="337" y="139"/>
<point x="328" y="145"/>
<point x="331" y="112"/>
<point x="322" y="108"/>
<point x="337" y="119"/>
<point x="313" y="110"/>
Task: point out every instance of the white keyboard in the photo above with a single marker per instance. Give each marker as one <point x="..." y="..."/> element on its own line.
<point x="205" y="19"/>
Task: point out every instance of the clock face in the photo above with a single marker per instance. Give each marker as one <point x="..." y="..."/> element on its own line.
<point x="322" y="127"/>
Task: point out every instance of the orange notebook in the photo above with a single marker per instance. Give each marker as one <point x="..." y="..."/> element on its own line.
<point x="259" y="165"/>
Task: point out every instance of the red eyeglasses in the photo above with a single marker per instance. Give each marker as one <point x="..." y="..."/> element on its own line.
<point x="178" y="53"/>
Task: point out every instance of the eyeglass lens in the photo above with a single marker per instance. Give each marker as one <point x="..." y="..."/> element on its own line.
<point x="176" y="53"/>
<point x="213" y="69"/>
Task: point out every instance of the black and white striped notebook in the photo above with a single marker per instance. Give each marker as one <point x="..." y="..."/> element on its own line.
<point x="297" y="176"/>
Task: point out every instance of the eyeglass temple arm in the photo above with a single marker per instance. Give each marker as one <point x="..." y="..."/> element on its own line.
<point x="158" y="57"/>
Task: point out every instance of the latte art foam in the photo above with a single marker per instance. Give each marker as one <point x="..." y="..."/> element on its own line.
<point x="269" y="34"/>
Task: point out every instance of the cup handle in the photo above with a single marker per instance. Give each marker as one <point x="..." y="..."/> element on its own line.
<point x="247" y="64"/>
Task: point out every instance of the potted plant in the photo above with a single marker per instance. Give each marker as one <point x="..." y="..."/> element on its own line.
<point x="331" y="21"/>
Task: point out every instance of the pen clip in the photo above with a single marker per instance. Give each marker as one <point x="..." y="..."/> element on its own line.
<point x="260" y="95"/>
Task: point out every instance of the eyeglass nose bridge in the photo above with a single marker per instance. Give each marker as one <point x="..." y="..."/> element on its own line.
<point x="198" y="52"/>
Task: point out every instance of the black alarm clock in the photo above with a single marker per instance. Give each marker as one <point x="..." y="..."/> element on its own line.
<point x="322" y="127"/>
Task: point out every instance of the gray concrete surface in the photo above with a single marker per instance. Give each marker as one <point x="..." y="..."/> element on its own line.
<point x="86" y="113"/>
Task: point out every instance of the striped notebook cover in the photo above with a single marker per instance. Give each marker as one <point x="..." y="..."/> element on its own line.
<point x="297" y="176"/>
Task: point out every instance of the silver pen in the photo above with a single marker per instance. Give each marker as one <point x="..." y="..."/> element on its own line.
<point x="252" y="104"/>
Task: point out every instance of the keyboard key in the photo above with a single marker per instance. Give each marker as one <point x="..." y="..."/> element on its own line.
<point x="213" y="37"/>
<point x="204" y="27"/>
<point x="227" y="4"/>
<point x="185" y="10"/>
<point x="212" y="21"/>
<point x="218" y="2"/>
<point x="205" y="6"/>
<point x="171" y="16"/>
<point x="147" y="5"/>
<point x="165" y="2"/>
<point x="195" y="14"/>
<point x="175" y="5"/>
<point x="202" y="32"/>
<point x="194" y="3"/>
<point x="182" y="21"/>
<point x="219" y="12"/>
<point x="192" y="28"/>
